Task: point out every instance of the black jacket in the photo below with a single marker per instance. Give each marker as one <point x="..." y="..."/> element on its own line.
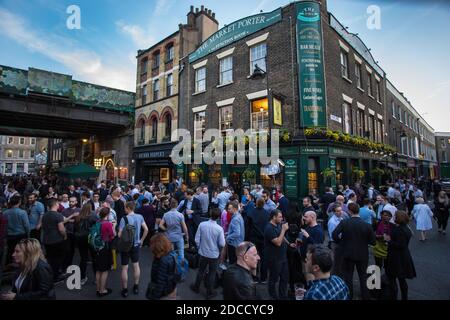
<point x="257" y="220"/>
<point x="284" y="206"/>
<point x="356" y="236"/>
<point x="399" y="262"/>
<point x="38" y="285"/>
<point x="238" y="284"/>
<point x="196" y="207"/>
<point x="162" y="277"/>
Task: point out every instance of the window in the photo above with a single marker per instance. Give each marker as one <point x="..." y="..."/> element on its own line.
<point x="225" y="119"/>
<point x="360" y="122"/>
<point x="378" y="91"/>
<point x="373" y="128"/>
<point x="30" y="167"/>
<point x="168" y="125"/>
<point x="444" y="156"/>
<point x="33" y="141"/>
<point x="369" y="83"/>
<point x="9" y="168"/>
<point x="358" y="75"/>
<point x="200" y="79"/>
<point x="400" y="113"/>
<point x="258" y="57"/>
<point x="260" y="115"/>
<point x="144" y="94"/>
<point x="448" y="141"/>
<point x="379" y="131"/>
<point x="199" y="125"/>
<point x="156" y="57"/>
<point x="404" y="116"/>
<point x="21" y="140"/>
<point x="344" y="64"/>
<point x="347" y="118"/>
<point x="9" y="153"/>
<point x="155" y="89"/>
<point x="226" y="70"/>
<point x="154" y="123"/>
<point x="32" y="154"/>
<point x="10" y="140"/>
<point x="20" y="167"/>
<point x="142" y="130"/>
<point x="144" y="65"/>
<point x="443" y="143"/>
<point x="21" y="153"/>
<point x="313" y="181"/>
<point x="169" y="89"/>
<point x="404" y="143"/>
<point x="169" y="53"/>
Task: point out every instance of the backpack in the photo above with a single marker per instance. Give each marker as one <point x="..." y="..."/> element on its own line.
<point x="181" y="268"/>
<point x="83" y="229"/>
<point x="126" y="241"/>
<point x="95" y="238"/>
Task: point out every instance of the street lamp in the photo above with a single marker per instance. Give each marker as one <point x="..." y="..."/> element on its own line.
<point x="259" y="73"/>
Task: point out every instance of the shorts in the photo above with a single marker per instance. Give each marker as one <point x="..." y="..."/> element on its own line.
<point x="133" y="254"/>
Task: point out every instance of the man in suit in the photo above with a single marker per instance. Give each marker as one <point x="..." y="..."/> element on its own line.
<point x="283" y="204"/>
<point x="191" y="208"/>
<point x="354" y="236"/>
<point x="73" y="193"/>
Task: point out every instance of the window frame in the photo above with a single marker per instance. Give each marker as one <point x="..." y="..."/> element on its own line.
<point x="227" y="71"/>
<point x="222" y="122"/>
<point x="345" y="118"/>
<point x="358" y="75"/>
<point x="198" y="80"/>
<point x="261" y="117"/>
<point x="197" y="117"/>
<point x="253" y="61"/>
<point x="156" y="88"/>
<point x="169" y="85"/>
<point x="344" y="64"/>
<point x="369" y="84"/>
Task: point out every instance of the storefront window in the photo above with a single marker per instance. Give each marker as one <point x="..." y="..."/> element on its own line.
<point x="260" y="115"/>
<point x="215" y="175"/>
<point x="193" y="177"/>
<point x="339" y="171"/>
<point x="313" y="181"/>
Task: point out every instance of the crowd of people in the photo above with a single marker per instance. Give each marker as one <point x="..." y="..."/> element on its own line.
<point x="305" y="251"/>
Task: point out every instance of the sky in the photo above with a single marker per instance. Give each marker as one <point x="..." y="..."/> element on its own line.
<point x="412" y="44"/>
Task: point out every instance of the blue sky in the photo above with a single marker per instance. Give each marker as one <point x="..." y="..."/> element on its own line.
<point x="412" y="45"/>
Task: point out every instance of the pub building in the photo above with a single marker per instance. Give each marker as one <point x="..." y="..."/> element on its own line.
<point x="299" y="70"/>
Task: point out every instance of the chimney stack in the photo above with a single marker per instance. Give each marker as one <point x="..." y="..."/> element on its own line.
<point x="202" y="8"/>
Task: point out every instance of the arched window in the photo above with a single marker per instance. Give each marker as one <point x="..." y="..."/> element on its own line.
<point x="154" y="124"/>
<point x="142" y="130"/>
<point x="168" y="124"/>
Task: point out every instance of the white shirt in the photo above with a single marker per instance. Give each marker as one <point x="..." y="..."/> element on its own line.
<point x="332" y="224"/>
<point x="391" y="192"/>
<point x="65" y="204"/>
<point x="96" y="205"/>
<point x="134" y="191"/>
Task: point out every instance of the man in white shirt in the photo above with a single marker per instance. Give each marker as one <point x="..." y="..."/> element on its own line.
<point x="334" y="220"/>
<point x="135" y="190"/>
<point x="385" y="205"/>
<point x="391" y="192"/>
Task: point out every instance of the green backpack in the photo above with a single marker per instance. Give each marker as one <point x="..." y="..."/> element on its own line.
<point x="95" y="238"/>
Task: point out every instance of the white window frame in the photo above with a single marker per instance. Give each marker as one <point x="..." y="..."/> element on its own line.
<point x="344" y="64"/>
<point x="12" y="140"/>
<point x="198" y="81"/>
<point x="259" y="60"/>
<point x="226" y="68"/>
<point x="9" y="155"/>
<point x="259" y="121"/>
<point x="358" y="75"/>
<point x="169" y="85"/>
<point x="200" y="128"/>
<point x="346" y="117"/>
<point x="20" y="141"/>
<point x="19" y="154"/>
<point x="223" y="126"/>
<point x="155" y="89"/>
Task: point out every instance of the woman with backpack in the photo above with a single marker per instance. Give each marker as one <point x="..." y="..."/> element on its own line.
<point x="82" y="225"/>
<point x="162" y="285"/>
<point x="100" y="237"/>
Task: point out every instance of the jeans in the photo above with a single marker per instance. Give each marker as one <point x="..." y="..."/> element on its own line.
<point x="192" y="229"/>
<point x="348" y="267"/>
<point x="212" y="265"/>
<point x="12" y="241"/>
<point x="278" y="271"/>
<point x="84" y="249"/>
<point x="69" y="251"/>
<point x="262" y="266"/>
<point x="179" y="246"/>
<point x="55" y="256"/>
<point x="337" y="265"/>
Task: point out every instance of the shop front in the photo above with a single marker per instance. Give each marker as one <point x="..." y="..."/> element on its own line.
<point x="153" y="164"/>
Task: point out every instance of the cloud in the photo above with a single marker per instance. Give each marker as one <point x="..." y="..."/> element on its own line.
<point x="260" y="6"/>
<point x="162" y="7"/>
<point x="83" y="63"/>
<point x="140" y="37"/>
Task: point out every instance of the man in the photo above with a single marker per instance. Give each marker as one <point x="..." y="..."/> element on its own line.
<point x="135" y="190"/>
<point x="203" y="197"/>
<point x="172" y="187"/>
<point x="43" y="189"/>
<point x="355" y="236"/>
<point x="307" y="205"/>
<point x="138" y="222"/>
<point x="391" y="191"/>
<point x="236" y="231"/>
<point x="161" y="210"/>
<point x="147" y="194"/>
<point x="10" y="192"/>
<point x="223" y="198"/>
<point x="269" y="205"/>
<point x="348" y="191"/>
<point x="352" y="198"/>
<point x="417" y="193"/>
<point x="191" y="208"/>
<point x="383" y="204"/>
<point x="180" y="193"/>
<point x="359" y="193"/>
<point x="73" y="193"/>
<point x="258" y="192"/>
<point x="334" y="221"/>
<point x="210" y="240"/>
<point x="238" y="278"/>
<point x="65" y="201"/>
<point x="69" y="243"/>
<point x="103" y="192"/>
<point x="366" y="212"/>
<point x="54" y="234"/>
<point x="312" y="234"/>
<point x="339" y="202"/>
<point x="35" y="211"/>
<point x="328" y="198"/>
<point x="95" y="202"/>
<point x="18" y="225"/>
<point x="118" y="205"/>
<point x="85" y="198"/>
<point x="275" y="248"/>
<point x="174" y="224"/>
<point x="148" y="212"/>
<point x="322" y="285"/>
<point x="283" y="204"/>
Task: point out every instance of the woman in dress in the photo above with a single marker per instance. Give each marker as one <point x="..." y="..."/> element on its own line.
<point x="422" y="214"/>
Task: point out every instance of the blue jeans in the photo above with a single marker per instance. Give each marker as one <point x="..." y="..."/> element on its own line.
<point x="179" y="246"/>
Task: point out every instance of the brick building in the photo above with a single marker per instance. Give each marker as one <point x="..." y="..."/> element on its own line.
<point x="17" y="155"/>
<point x="157" y="95"/>
<point x="443" y="153"/>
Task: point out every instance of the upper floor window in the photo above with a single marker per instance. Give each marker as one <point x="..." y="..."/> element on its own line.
<point x="358" y="75"/>
<point x="21" y="140"/>
<point x="199" y="125"/>
<point x="369" y="84"/>
<point x="10" y="140"/>
<point x="33" y="141"/>
<point x="378" y="91"/>
<point x="31" y="153"/>
<point x="9" y="153"/>
<point x="21" y="154"/>
<point x="144" y="65"/>
<point x="258" y="55"/>
<point x="393" y="109"/>
<point x="142" y="130"/>
<point x="154" y="124"/>
<point x="260" y="115"/>
<point x="360" y="122"/>
<point x="156" y="60"/>
<point x="200" y="79"/>
<point x="225" y="119"/>
<point x="156" y="89"/>
<point x="169" y="89"/>
<point x="347" y="118"/>
<point x="443" y="143"/>
<point x="344" y="64"/>
<point x="168" y="125"/>
<point x="169" y="52"/>
<point x="144" y="94"/>
<point x="226" y="70"/>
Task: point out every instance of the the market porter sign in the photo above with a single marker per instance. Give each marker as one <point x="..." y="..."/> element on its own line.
<point x="310" y="64"/>
<point x="234" y="32"/>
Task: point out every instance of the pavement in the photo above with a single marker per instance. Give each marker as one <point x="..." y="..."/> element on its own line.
<point x="431" y="259"/>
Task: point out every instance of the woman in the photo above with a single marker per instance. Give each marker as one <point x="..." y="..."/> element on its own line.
<point x="441" y="207"/>
<point x="410" y="199"/>
<point x="34" y="281"/>
<point x="103" y="257"/>
<point x="380" y="249"/>
<point x="225" y="219"/>
<point x="162" y="285"/>
<point x="399" y="264"/>
<point x="422" y="214"/>
<point x="83" y="223"/>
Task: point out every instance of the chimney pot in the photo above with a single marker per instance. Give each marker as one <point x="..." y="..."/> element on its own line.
<point x="192" y="9"/>
<point x="202" y="8"/>
<point x="213" y="14"/>
<point x="196" y="10"/>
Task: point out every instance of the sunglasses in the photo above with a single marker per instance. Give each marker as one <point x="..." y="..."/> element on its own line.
<point x="250" y="245"/>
